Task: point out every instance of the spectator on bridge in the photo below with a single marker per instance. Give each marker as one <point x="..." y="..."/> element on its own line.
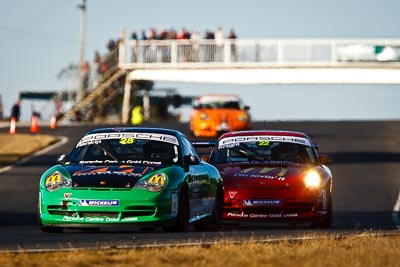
<point x="232" y="37"/>
<point x="209" y="53"/>
<point x="135" y="46"/>
<point x="219" y="42"/>
<point x="183" y="49"/>
<point x="195" y="38"/>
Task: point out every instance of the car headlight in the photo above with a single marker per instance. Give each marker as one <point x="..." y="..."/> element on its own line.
<point x="55" y="181"/>
<point x="312" y="179"/>
<point x="154" y="183"/>
<point x="242" y="117"/>
<point x="203" y="116"/>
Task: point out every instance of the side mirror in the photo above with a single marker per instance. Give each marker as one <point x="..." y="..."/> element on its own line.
<point x="190" y="160"/>
<point x="324" y="159"/>
<point x="61" y="159"/>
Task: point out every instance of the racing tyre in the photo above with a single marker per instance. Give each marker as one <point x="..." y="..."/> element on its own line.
<point x="48" y="229"/>
<point x="326" y="221"/>
<point x="216" y="217"/>
<point x="90" y="229"/>
<point x="182" y="218"/>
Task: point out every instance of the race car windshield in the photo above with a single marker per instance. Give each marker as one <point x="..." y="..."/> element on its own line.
<point x="125" y="151"/>
<point x="265" y="151"/>
<point x="220" y="104"/>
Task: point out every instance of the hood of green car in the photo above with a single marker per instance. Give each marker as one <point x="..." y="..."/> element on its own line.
<point x="123" y="176"/>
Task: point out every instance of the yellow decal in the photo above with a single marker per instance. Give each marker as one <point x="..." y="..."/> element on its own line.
<point x="126" y="141"/>
<point x="266" y="170"/>
<point x="157" y="179"/>
<point x="54" y="178"/>
<point x="248" y="170"/>
<point x="263" y="143"/>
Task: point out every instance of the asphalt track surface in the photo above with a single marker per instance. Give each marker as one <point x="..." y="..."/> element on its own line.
<point x="366" y="196"/>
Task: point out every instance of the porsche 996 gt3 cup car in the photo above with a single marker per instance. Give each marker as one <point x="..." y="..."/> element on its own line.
<point x="214" y="114"/>
<point x="140" y="176"/>
<point x="273" y="175"/>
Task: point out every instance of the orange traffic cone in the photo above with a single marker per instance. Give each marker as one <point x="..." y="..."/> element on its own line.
<point x="53" y="122"/>
<point x="13" y="126"/>
<point x="34" y="124"/>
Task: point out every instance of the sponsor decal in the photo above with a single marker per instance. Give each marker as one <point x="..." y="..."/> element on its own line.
<point x="105" y="170"/>
<point x="157" y="179"/>
<point x="67" y="195"/>
<point x="263" y="176"/>
<point x="236" y="140"/>
<point x="102" y="203"/>
<point x="262" y="202"/>
<point x="98" y="219"/>
<point x="232" y="194"/>
<point x="261" y="216"/>
<point x="55" y="178"/>
<point x="126" y="138"/>
<point x="277" y="173"/>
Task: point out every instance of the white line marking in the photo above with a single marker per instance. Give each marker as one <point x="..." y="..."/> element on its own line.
<point x="63" y="140"/>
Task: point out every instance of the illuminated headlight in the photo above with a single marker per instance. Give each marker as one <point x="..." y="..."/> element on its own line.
<point x="312" y="179"/>
<point x="154" y="183"/>
<point x="203" y="116"/>
<point x="242" y="117"/>
<point x="55" y="181"/>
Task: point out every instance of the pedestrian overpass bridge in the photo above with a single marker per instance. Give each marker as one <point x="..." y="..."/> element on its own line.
<point x="263" y="61"/>
<point x="244" y="61"/>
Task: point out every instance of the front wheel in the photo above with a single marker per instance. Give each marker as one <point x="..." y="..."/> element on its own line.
<point x="326" y="221"/>
<point x="48" y="229"/>
<point x="182" y="217"/>
<point x="216" y="216"/>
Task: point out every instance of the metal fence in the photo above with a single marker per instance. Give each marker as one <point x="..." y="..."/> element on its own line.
<point x="244" y="52"/>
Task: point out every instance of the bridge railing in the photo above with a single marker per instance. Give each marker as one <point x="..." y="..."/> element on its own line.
<point x="256" y="52"/>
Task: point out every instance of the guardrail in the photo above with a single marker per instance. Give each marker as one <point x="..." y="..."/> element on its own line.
<point x="256" y="53"/>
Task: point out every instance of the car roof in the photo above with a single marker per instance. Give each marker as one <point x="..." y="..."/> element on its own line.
<point x="265" y="132"/>
<point x="217" y="97"/>
<point x="136" y="129"/>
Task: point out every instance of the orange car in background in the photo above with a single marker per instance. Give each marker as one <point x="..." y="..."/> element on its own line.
<point x="215" y="114"/>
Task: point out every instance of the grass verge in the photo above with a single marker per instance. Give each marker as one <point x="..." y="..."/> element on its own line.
<point x="14" y="147"/>
<point x="352" y="250"/>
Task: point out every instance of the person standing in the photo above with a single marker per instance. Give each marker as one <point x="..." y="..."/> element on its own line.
<point x="16" y="110"/>
<point x="232" y="38"/>
<point x="219" y="42"/>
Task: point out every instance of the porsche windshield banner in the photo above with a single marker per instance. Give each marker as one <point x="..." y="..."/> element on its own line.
<point x="96" y="138"/>
<point x="236" y="140"/>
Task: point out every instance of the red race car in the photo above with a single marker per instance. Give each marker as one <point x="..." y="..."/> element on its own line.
<point x="273" y="176"/>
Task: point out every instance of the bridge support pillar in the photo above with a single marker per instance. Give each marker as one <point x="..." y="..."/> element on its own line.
<point x="126" y="104"/>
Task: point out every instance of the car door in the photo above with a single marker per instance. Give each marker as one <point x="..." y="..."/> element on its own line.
<point x="201" y="195"/>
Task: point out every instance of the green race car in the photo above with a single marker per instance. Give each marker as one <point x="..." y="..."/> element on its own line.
<point x="141" y="176"/>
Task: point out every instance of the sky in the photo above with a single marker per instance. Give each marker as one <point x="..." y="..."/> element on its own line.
<point x="40" y="38"/>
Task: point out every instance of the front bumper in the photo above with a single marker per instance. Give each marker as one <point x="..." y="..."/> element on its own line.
<point x="306" y="205"/>
<point x="109" y="207"/>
